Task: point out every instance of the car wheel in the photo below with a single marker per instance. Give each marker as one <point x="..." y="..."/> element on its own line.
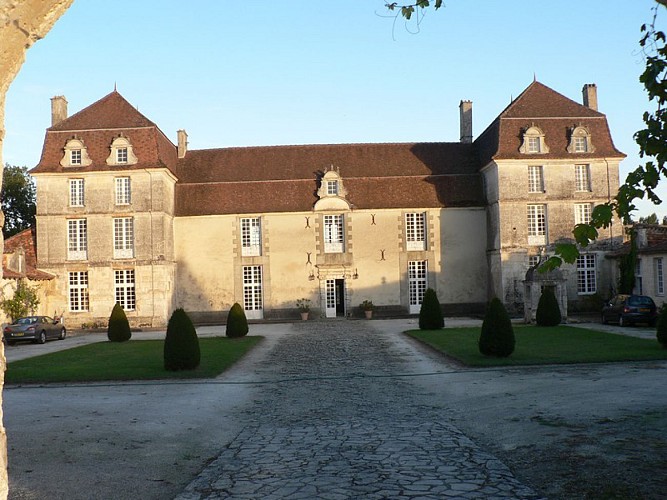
<point x="622" y="321"/>
<point x="605" y="321"/>
<point x="62" y="335"/>
<point x="42" y="337"/>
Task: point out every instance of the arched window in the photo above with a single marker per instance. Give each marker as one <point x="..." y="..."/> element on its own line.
<point x="533" y="141"/>
<point x="121" y="152"/>
<point x="76" y="154"/>
<point x="580" y="141"/>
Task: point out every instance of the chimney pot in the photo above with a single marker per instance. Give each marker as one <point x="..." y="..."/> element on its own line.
<point x="465" y="108"/>
<point x="590" y="93"/>
<point x="182" y="143"/>
<point x="58" y="109"/>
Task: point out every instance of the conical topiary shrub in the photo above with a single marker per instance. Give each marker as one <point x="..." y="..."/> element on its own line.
<point x="119" y="327"/>
<point x="548" y="311"/>
<point x="430" y="313"/>
<point x="661" y="329"/>
<point x="497" y="337"/>
<point x="237" y="324"/>
<point x="181" y="345"/>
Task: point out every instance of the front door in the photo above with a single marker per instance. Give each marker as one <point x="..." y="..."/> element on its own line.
<point x="335" y="298"/>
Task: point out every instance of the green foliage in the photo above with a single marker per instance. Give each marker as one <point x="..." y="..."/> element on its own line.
<point x="23" y="302"/>
<point x="303" y="305"/>
<point x="548" y="311"/>
<point x="408" y="9"/>
<point x="649" y="219"/>
<point x="18" y="200"/>
<point x="627" y="267"/>
<point x="366" y="305"/>
<point x="497" y="336"/>
<point x="119" y="328"/>
<point x="181" y="345"/>
<point x="430" y="313"/>
<point x="661" y="328"/>
<point x="237" y="324"/>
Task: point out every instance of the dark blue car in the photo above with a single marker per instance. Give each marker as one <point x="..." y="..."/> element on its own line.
<point x="630" y="309"/>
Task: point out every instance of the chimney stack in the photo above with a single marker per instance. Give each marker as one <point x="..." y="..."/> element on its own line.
<point x="182" y="143"/>
<point x="590" y="92"/>
<point x="58" y="109"/>
<point x="465" y="108"/>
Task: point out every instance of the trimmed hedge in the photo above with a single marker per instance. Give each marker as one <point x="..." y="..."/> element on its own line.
<point x="548" y="310"/>
<point x="661" y="328"/>
<point x="119" y="328"/>
<point x="237" y="324"/>
<point x="497" y="336"/>
<point x="181" y="345"/>
<point x="430" y="313"/>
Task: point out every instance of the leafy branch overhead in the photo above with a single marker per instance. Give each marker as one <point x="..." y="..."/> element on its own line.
<point x="407" y="10"/>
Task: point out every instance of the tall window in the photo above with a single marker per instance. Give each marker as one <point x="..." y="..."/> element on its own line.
<point x="532" y="144"/>
<point x="582" y="213"/>
<point x="78" y="291"/>
<point x="333" y="234"/>
<point x="582" y="178"/>
<point x="415" y="231"/>
<point x="251" y="237"/>
<point x="124" y="290"/>
<point x="659" y="277"/>
<point x="75" y="157"/>
<point x="121" y="155"/>
<point x="77" y="239"/>
<point x="252" y="288"/>
<point x="639" y="282"/>
<point x="537" y="225"/>
<point x="535" y="179"/>
<point x="586" y="282"/>
<point x="123" y="193"/>
<point x="123" y="238"/>
<point x="76" y="193"/>
<point x="417" y="283"/>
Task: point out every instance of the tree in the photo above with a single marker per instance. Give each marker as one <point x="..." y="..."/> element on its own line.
<point x="627" y="267"/>
<point x="548" y="311"/>
<point x="649" y="219"/>
<point x="430" y="313"/>
<point x="24" y="301"/>
<point x="181" y="345"/>
<point x="237" y="323"/>
<point x="119" y="328"/>
<point x="18" y="200"/>
<point x="497" y="336"/>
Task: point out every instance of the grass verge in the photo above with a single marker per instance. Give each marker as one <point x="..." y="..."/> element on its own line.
<point x="132" y="360"/>
<point x="544" y="345"/>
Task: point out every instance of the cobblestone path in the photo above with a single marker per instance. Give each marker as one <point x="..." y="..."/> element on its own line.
<point x="331" y="420"/>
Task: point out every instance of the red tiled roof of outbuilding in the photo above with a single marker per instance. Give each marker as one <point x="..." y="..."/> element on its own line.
<point x="27" y="240"/>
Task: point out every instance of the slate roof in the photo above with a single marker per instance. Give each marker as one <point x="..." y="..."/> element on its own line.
<point x="27" y="240"/>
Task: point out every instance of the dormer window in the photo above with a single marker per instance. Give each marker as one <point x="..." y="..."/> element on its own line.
<point x="332" y="188"/>
<point x="121" y="152"/>
<point x="332" y="193"/>
<point x="75" y="154"/>
<point x="533" y="141"/>
<point x="580" y="141"/>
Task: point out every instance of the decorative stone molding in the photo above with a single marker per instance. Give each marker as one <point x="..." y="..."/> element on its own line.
<point x="119" y="145"/>
<point x="69" y="158"/>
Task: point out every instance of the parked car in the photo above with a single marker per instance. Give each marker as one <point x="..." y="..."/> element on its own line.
<point x="630" y="309"/>
<point x="35" y="328"/>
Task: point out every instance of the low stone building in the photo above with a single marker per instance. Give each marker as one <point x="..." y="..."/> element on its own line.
<point x="124" y="215"/>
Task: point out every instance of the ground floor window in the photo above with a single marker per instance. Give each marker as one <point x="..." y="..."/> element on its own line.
<point x="252" y="288"/>
<point x="124" y="289"/>
<point x="659" y="277"/>
<point x="417" y="284"/>
<point x="586" y="282"/>
<point x="78" y="291"/>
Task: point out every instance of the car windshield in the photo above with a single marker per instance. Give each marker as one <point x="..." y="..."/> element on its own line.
<point x="640" y="301"/>
<point x="26" y="321"/>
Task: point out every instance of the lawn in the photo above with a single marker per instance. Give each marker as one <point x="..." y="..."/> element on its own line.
<point x="132" y="360"/>
<point x="544" y="345"/>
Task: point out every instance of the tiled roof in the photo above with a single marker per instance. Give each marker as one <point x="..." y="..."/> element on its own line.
<point x="28" y="242"/>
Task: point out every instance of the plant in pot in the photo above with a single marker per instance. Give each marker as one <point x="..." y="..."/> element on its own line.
<point x="304" y="308"/>
<point x="367" y="307"/>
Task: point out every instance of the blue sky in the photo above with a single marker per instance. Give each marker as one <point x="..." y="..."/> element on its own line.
<point x="305" y="72"/>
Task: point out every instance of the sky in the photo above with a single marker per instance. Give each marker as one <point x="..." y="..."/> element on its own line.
<point x="342" y="71"/>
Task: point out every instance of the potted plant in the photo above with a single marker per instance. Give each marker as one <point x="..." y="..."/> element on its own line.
<point x="304" y="308"/>
<point x="367" y="307"/>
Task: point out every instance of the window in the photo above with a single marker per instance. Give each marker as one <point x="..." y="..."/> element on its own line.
<point x="582" y="178"/>
<point x="415" y="231"/>
<point x="580" y="141"/>
<point x="252" y="288"/>
<point x="533" y="141"/>
<point x="121" y="155"/>
<point x="77" y="239"/>
<point x="533" y="260"/>
<point x="639" y="283"/>
<point x="333" y="234"/>
<point x="78" y="291"/>
<point x="582" y="213"/>
<point x="123" y="238"/>
<point x="332" y="188"/>
<point x="537" y="225"/>
<point x="124" y="289"/>
<point x="417" y="281"/>
<point x="659" y="277"/>
<point x="75" y="157"/>
<point x="251" y="237"/>
<point x="123" y="192"/>
<point x="586" y="282"/>
<point x="535" y="179"/>
<point x="76" y="193"/>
